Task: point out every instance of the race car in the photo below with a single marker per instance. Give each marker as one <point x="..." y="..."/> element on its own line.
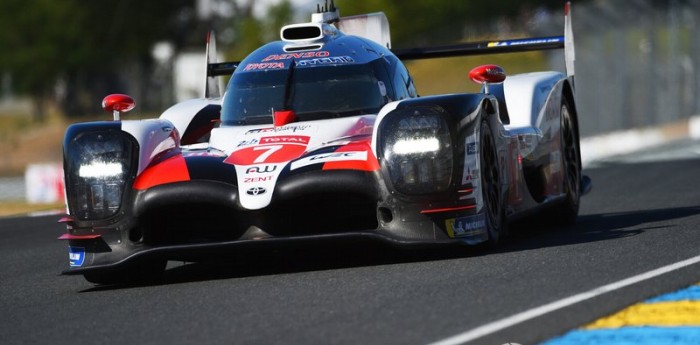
<point x="322" y="136"/>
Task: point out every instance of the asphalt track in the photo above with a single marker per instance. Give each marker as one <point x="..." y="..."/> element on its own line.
<point x="642" y="214"/>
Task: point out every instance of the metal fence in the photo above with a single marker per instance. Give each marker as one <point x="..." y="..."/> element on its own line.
<point x="637" y="63"/>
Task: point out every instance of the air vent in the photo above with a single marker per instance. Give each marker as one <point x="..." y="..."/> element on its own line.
<point x="291" y="49"/>
<point x="302" y="32"/>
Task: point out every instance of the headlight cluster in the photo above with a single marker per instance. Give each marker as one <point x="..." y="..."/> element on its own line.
<point x="98" y="168"/>
<point x="417" y="150"/>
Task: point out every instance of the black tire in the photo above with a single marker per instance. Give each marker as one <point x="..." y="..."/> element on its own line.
<point x="566" y="212"/>
<point x="491" y="185"/>
<point x="139" y="274"/>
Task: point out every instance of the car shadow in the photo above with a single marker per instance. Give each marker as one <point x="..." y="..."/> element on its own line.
<point x="315" y="257"/>
<point x="593" y="228"/>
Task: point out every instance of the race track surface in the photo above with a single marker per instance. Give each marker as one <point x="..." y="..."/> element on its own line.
<point x="640" y="216"/>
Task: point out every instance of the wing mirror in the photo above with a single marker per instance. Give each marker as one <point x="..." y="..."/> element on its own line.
<point x="487" y="74"/>
<point x="117" y="104"/>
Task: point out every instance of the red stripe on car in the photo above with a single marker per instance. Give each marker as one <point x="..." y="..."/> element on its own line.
<point x="171" y="170"/>
<point x="66" y="237"/>
<point x="448" y="209"/>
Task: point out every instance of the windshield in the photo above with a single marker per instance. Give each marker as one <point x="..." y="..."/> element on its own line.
<point x="315" y="93"/>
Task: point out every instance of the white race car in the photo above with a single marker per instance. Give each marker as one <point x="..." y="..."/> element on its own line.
<point x="321" y="136"/>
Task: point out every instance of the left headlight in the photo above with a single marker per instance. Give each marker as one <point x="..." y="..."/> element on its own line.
<point x="416" y="148"/>
<point x="98" y="167"/>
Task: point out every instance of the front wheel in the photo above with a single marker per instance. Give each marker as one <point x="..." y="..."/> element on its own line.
<point x="567" y="211"/>
<point x="491" y="185"/>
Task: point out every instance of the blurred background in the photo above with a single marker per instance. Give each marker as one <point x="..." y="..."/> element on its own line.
<point x="638" y="62"/>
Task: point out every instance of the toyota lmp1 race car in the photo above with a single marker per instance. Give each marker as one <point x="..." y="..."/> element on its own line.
<point x="322" y="136"/>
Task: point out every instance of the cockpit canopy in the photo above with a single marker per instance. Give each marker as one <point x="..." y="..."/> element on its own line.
<point x="346" y="76"/>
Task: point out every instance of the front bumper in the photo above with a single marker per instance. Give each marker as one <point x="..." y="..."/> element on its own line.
<point x="217" y="251"/>
<point x="202" y="219"/>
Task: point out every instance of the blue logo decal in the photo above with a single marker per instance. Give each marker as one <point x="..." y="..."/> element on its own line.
<point x="472" y="149"/>
<point x="76" y="256"/>
<point x="470" y="226"/>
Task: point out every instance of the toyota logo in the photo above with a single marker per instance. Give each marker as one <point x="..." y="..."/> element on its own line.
<point x="256" y="191"/>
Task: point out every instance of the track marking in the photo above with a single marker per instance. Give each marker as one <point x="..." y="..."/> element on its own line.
<point x="658" y="314"/>
<point x="515" y="319"/>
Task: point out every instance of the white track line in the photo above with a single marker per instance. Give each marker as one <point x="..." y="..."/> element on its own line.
<point x="515" y="319"/>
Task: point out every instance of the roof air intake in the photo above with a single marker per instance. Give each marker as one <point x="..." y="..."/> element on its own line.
<point x="302" y="32"/>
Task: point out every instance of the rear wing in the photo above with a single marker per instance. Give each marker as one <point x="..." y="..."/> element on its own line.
<point x="482" y="48"/>
<point x="566" y="42"/>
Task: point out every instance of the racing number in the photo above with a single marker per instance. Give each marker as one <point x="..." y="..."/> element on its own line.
<point x="270" y="149"/>
<point x="277" y="153"/>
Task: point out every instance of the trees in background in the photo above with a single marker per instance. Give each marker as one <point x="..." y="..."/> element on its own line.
<point x="77" y="51"/>
<point x="249" y="32"/>
<point x="421" y="22"/>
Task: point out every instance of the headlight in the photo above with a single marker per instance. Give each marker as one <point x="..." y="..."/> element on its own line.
<point x="98" y="166"/>
<point x="416" y="148"/>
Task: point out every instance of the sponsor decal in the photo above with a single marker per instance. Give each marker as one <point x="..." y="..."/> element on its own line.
<point x="76" y="256"/>
<point x="265" y="154"/>
<point x="294" y="139"/>
<point x="263" y="66"/>
<point x="203" y="154"/>
<point x="471" y="160"/>
<point x="325" y="61"/>
<point x="257" y="179"/>
<point x="523" y="42"/>
<point x="288" y="128"/>
<point x="270" y="149"/>
<point x="470" y="175"/>
<point x="497" y="44"/>
<point x="286" y="139"/>
<point x="329" y="157"/>
<point x="261" y="169"/>
<point x="472" y="148"/>
<point x="247" y="142"/>
<point x="256" y="183"/>
<point x="289" y="56"/>
<point x="466" y="226"/>
<point x="256" y="191"/>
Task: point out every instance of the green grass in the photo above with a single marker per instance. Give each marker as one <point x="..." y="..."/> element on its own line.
<point x="451" y="75"/>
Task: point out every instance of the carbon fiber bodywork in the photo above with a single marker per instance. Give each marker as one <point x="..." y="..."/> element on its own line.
<point x="321" y="139"/>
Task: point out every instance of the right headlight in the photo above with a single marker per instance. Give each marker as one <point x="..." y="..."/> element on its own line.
<point x="416" y="148"/>
<point x="98" y="166"/>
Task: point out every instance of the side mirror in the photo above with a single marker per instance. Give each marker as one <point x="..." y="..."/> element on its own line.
<point x="487" y="74"/>
<point x="117" y="104"/>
